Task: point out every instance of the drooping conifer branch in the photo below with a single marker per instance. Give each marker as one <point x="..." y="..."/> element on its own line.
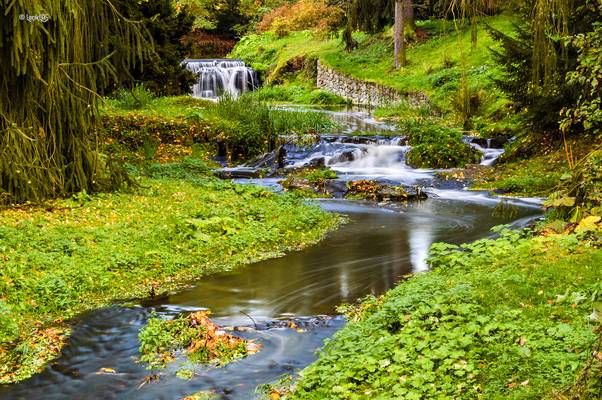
<point x="54" y="58"/>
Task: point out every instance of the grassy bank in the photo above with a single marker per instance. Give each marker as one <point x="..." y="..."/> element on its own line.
<point x="165" y="127"/>
<point x="539" y="171"/>
<point x="512" y="318"/>
<point x="436" y="65"/>
<point x="76" y="254"/>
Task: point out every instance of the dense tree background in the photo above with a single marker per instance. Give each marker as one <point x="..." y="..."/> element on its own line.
<point x="161" y="71"/>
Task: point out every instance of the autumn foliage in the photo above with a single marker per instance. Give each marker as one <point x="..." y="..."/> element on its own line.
<point x="197" y="336"/>
<point x="316" y="15"/>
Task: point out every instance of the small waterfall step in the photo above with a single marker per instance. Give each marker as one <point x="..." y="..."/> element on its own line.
<point x="221" y="76"/>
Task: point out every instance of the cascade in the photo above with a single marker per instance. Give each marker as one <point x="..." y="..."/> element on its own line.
<point x="217" y="77"/>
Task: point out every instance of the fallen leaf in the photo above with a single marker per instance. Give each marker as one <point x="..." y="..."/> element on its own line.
<point x="107" y="371"/>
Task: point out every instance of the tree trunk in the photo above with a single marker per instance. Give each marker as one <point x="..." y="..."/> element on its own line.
<point x="400" y="47"/>
<point x="408" y="11"/>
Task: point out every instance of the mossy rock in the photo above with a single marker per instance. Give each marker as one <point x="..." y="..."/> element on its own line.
<point x="375" y="191"/>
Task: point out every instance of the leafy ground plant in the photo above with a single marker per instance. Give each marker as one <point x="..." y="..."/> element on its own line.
<point x="495" y="319"/>
<point x="196" y="335"/>
<point x="68" y="255"/>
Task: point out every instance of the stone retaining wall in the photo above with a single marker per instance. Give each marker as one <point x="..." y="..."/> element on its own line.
<point x="363" y="93"/>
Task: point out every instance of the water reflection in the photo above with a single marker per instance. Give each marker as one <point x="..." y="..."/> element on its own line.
<point x="421" y="237"/>
<point x="369" y="255"/>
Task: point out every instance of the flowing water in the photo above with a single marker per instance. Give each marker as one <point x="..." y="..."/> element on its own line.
<point x="380" y="244"/>
<point x="218" y="77"/>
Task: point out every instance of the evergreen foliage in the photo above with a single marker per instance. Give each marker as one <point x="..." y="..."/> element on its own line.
<point x="536" y="64"/>
<point x="49" y="75"/>
<point x="587" y="112"/>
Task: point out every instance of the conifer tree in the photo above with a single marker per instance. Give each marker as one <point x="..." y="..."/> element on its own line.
<point x="55" y="56"/>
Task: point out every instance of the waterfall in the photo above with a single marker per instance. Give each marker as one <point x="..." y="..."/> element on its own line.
<point x="485" y="146"/>
<point x="217" y="77"/>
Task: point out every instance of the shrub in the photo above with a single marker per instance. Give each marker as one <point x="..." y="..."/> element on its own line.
<point x="316" y="15"/>
<point x="436" y="146"/>
<point x="580" y="193"/>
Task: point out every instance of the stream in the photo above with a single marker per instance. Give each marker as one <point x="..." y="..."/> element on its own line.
<point x="371" y="253"/>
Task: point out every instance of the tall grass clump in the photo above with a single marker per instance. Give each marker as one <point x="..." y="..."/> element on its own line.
<point x="245" y="126"/>
<point x="301" y="122"/>
<point x="249" y="127"/>
<point x="404" y="110"/>
<point x="135" y="99"/>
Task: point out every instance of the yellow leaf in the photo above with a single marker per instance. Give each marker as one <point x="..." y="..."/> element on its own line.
<point x="588" y="224"/>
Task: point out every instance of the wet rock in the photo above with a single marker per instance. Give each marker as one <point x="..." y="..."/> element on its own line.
<point x="376" y="191"/>
<point x="244" y="329"/>
<point x="319" y="162"/>
<point x="238" y="173"/>
<point x="267" y="160"/>
<point x="281" y="157"/>
<point x="346" y="156"/>
<point x="299" y="184"/>
<point x="358" y="140"/>
<point x="329" y="138"/>
<point x="336" y="188"/>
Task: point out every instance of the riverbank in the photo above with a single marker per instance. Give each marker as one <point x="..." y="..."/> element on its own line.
<point x="535" y="167"/>
<point x="72" y="255"/>
<point x="516" y="317"/>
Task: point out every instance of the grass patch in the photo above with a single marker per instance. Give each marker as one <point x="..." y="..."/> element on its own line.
<point x="496" y="319"/>
<point x="69" y="255"/>
<point x="167" y="107"/>
<point x="297" y="94"/>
